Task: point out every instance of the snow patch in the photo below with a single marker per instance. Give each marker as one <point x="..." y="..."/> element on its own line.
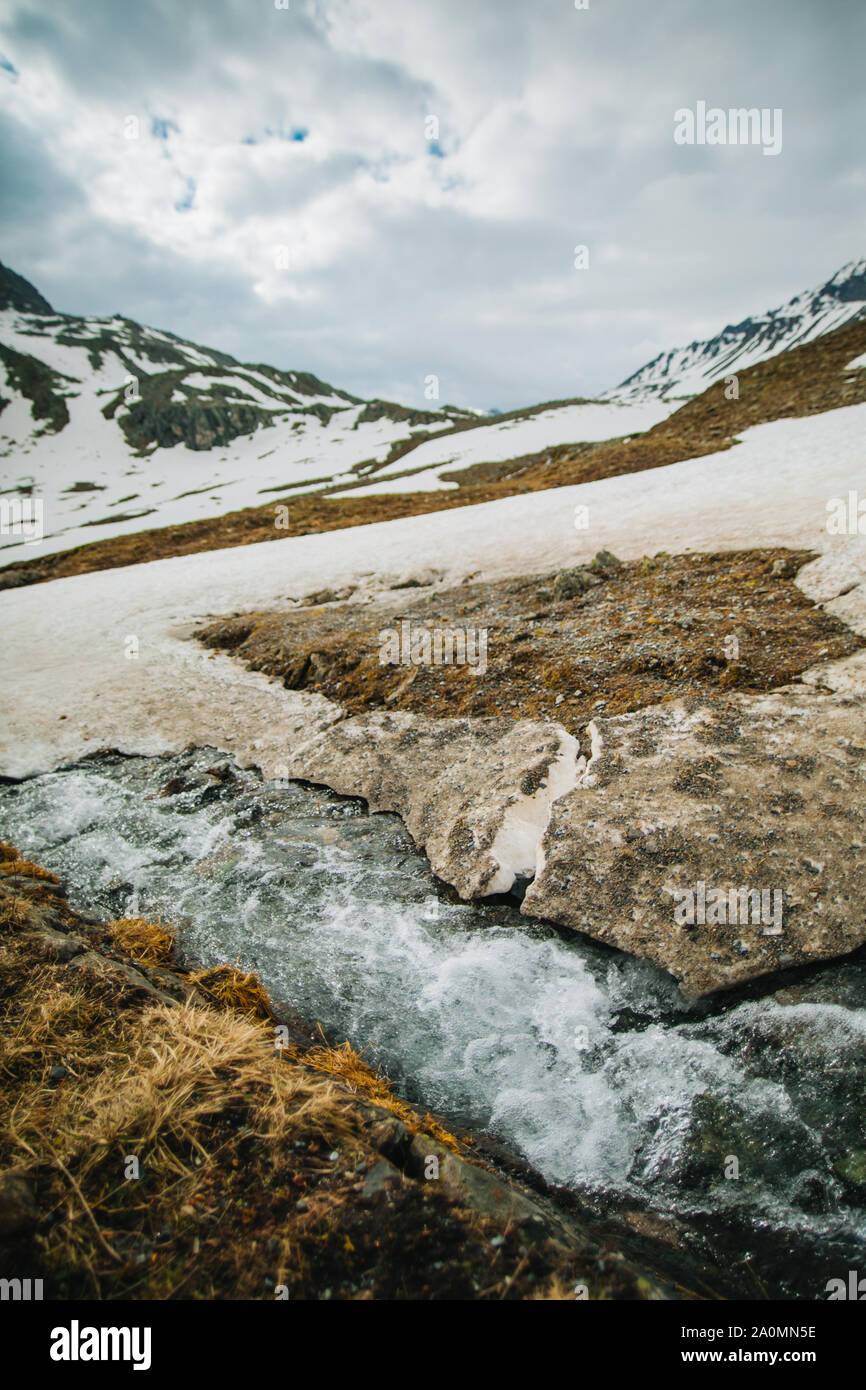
<point x="518" y="842"/>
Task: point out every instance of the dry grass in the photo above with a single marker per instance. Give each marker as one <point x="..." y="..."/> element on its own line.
<point x="186" y="1066"/>
<point x="350" y="1067"/>
<point x="148" y="942"/>
<point x="16" y="913"/>
<point x="24" y="866"/>
<point x="178" y="1089"/>
<point x="176" y="1152"/>
<point x="649" y="631"/>
<point x="236" y="1188"/>
<point x="230" y="987"/>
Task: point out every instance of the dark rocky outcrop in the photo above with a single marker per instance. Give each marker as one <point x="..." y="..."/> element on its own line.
<point x="18" y="293"/>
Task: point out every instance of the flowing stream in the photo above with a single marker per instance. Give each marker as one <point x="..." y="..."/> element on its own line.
<point x="742" y="1118"/>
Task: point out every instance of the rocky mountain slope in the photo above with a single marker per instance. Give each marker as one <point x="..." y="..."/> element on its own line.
<point x="111" y="422"/>
<point x="120" y="429"/>
<point x="822" y="379"/>
<point x="686" y="371"/>
<point x="116" y="426"/>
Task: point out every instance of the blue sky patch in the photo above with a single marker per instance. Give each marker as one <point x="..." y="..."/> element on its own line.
<point x="159" y="128"/>
<point x="185" y="203"/>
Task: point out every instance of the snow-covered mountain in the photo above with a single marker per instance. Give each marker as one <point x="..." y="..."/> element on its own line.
<point x="120" y="428"/>
<point x="684" y="372"/>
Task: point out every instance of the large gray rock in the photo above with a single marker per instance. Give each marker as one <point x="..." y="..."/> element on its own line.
<point x="475" y="794"/>
<point x="754" y="805"/>
<point x="762" y="793"/>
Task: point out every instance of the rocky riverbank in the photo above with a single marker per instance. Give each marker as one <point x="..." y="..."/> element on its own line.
<point x="639" y="733"/>
<point x="167" y="1135"/>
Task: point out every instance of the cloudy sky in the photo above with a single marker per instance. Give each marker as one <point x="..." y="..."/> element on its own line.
<point x="269" y="181"/>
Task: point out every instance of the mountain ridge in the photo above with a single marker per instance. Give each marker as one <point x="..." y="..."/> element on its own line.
<point x="681" y="373"/>
<point x="111" y="422"/>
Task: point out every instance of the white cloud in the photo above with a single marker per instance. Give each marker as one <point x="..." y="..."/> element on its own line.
<point x="555" y="127"/>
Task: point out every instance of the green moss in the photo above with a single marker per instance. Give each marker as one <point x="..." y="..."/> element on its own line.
<point x="852" y="1168"/>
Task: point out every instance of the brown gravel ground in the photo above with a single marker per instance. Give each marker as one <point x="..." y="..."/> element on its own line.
<point x="655" y="629"/>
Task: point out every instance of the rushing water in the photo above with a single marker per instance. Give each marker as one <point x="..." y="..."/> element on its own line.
<point x="586" y="1062"/>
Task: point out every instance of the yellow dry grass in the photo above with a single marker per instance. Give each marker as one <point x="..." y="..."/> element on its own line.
<point x="171" y="1086"/>
<point x="350" y="1067"/>
<point x="16" y="913"/>
<point x="187" y="1065"/>
<point x="148" y="942"/>
<point x="230" y="987"/>
<point x="24" y="866"/>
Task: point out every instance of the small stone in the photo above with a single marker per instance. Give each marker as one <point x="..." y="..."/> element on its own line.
<point x="379" y="1177"/>
<point x="57" y="1073"/>
<point x="390" y="1137"/>
<point x="573" y="583"/>
<point x="783" y="568"/>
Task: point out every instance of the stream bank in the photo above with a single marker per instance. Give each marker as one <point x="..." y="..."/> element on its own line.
<point x="586" y="1064"/>
<point x="156" y="1144"/>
